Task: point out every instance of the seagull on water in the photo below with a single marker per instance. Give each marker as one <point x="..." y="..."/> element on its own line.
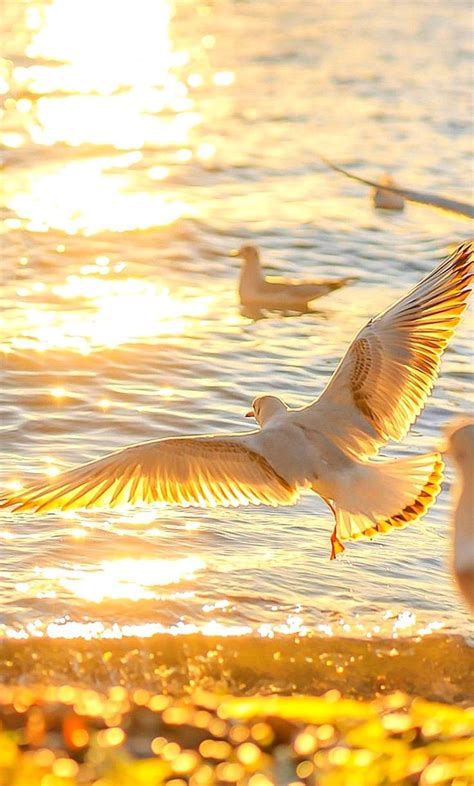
<point x="386" y="196"/>
<point x="280" y="294"/>
<point x="386" y="186"/>
<point x="375" y="394"/>
<point x="461" y="448"/>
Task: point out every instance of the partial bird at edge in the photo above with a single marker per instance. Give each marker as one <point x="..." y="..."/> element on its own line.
<point x="275" y="293"/>
<point x="460" y="447"/>
<point x="443" y="203"/>
<point x="375" y="395"/>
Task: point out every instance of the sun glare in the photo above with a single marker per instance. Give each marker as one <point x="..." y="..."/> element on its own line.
<point x="105" y="77"/>
<point x="138" y="53"/>
<point x="131" y="579"/>
<point x="99" y="121"/>
<point x="151" y="310"/>
<point x="96" y="64"/>
<point x="82" y="197"/>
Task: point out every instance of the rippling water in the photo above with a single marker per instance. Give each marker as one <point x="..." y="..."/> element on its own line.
<point x="143" y="141"/>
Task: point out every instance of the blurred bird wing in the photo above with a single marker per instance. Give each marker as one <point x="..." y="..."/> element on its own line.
<point x="185" y="471"/>
<point x="452" y="205"/>
<point x="385" y="377"/>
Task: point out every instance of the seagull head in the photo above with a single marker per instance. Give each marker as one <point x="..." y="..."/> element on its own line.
<point x="249" y="254"/>
<point x="266" y="407"/>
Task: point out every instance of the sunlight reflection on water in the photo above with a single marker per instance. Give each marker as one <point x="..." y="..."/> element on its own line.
<point x="143" y="141"/>
<point x="127" y="579"/>
<point x="80" y="197"/>
<point x="98" y="319"/>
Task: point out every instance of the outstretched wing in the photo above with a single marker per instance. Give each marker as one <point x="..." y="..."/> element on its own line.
<point x="385" y="377"/>
<point x="182" y="471"/>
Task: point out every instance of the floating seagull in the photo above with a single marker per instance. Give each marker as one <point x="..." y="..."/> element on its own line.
<point x="387" y="196"/>
<point x="461" y="448"/>
<point x="386" y="187"/>
<point x="281" y="294"/>
<point x="375" y="394"/>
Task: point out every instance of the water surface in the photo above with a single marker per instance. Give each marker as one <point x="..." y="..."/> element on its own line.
<point x="144" y="141"/>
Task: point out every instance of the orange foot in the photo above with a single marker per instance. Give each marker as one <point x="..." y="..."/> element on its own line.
<point x="336" y="545"/>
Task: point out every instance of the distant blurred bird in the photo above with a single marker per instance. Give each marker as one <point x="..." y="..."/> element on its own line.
<point x="280" y="294"/>
<point x="461" y="448"/>
<point x="386" y="196"/>
<point x="375" y="394"/>
<point x="389" y="196"/>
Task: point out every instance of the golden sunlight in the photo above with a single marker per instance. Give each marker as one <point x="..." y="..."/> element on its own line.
<point x="82" y="197"/>
<point x="86" y="81"/>
<point x="104" y="77"/>
<point x="79" y="35"/>
<point x="98" y="120"/>
<point x="152" y="311"/>
<point x="131" y="579"/>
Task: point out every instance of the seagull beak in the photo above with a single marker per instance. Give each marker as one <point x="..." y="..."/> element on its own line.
<point x="234" y="253"/>
<point x="250" y="414"/>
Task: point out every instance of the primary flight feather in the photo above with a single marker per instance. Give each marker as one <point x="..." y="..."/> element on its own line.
<point x="375" y="395"/>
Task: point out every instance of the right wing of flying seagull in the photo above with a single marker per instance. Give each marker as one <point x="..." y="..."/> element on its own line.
<point x="382" y="382"/>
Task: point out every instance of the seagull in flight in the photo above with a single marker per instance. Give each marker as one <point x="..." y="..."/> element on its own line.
<point x="328" y="446"/>
<point x="276" y="293"/>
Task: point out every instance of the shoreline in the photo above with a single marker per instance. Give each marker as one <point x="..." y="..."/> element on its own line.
<point x="435" y="667"/>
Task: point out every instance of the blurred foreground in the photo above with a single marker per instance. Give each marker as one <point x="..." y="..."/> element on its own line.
<point x="65" y="736"/>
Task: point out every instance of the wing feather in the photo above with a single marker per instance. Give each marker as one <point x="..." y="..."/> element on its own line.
<point x="385" y="377"/>
<point x="197" y="471"/>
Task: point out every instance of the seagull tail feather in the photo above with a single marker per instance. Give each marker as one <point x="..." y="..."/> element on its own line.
<point x="390" y="495"/>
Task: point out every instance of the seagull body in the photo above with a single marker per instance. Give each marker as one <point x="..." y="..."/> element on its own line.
<point x="280" y="294"/>
<point x="461" y="448"/>
<point x="375" y="394"/>
<point x="386" y="196"/>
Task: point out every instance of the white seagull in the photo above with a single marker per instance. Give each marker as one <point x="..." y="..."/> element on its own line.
<point x="386" y="196"/>
<point x="280" y="294"/>
<point x="461" y="448"/>
<point x="375" y="394"/>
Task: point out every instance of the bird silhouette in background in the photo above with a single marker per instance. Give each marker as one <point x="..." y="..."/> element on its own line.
<point x="375" y="395"/>
<point x="389" y="196"/>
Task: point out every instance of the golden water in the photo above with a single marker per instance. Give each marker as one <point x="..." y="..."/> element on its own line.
<point x="143" y="141"/>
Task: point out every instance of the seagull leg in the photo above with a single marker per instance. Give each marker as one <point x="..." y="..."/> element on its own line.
<point x="336" y="545"/>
